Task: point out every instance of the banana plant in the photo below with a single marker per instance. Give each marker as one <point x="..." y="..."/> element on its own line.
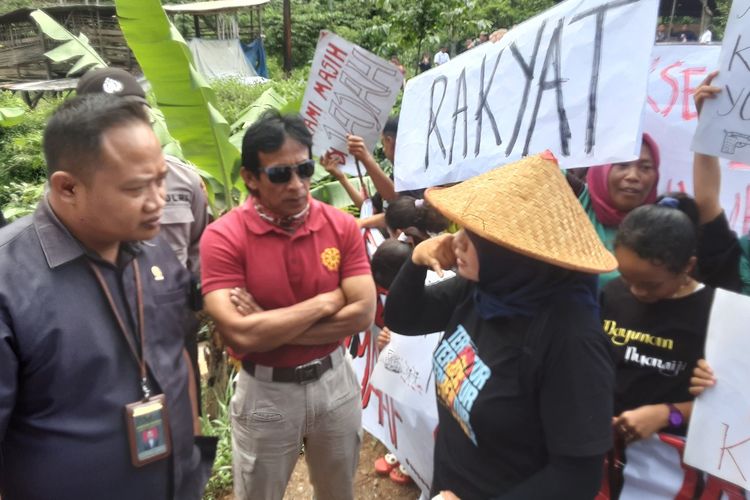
<point x="182" y="94"/>
<point x="11" y="116"/>
<point x="75" y="47"/>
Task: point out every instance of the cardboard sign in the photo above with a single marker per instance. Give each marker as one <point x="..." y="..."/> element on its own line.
<point x="349" y="91"/>
<point x="571" y="80"/>
<point x="718" y="439"/>
<point x="724" y="128"/>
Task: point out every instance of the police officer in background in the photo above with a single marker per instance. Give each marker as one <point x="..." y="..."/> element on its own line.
<point x="185" y="214"/>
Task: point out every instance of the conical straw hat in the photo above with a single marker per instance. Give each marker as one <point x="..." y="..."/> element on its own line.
<point x="527" y="207"/>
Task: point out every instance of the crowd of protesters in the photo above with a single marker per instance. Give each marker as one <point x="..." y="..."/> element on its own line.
<point x="538" y="374"/>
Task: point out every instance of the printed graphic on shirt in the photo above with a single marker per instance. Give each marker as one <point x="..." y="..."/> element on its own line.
<point x="670" y="368"/>
<point x="649" y="353"/>
<point x="331" y="258"/>
<point x="459" y="376"/>
<point x="622" y="336"/>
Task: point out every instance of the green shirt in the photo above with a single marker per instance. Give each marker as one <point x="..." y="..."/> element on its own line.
<point x="606" y="234"/>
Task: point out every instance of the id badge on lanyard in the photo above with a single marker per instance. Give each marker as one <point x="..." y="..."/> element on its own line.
<point x="146" y="420"/>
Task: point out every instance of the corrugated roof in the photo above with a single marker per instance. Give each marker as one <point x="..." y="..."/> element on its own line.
<point x="212" y="7"/>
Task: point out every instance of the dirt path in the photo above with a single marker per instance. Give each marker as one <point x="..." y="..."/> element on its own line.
<point x="368" y="485"/>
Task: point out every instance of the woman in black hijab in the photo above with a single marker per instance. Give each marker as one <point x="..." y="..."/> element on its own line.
<point x="523" y="377"/>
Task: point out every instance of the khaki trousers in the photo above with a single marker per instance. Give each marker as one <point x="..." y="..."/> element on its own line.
<point x="270" y="420"/>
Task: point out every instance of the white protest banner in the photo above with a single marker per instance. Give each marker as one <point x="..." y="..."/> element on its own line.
<point x="399" y="405"/>
<point x="724" y="128"/>
<point x="670" y="118"/>
<point x="398" y="397"/>
<point x="349" y="91"/>
<point x="571" y="80"/>
<point x="718" y="439"/>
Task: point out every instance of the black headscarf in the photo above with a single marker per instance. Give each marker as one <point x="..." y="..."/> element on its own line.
<point x="512" y="285"/>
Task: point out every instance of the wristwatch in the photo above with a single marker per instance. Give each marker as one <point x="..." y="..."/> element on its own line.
<point x="676" y="419"/>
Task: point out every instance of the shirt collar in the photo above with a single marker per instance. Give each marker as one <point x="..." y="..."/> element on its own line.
<point x="59" y="246"/>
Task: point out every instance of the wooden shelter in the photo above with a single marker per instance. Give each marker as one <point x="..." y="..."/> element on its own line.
<point x="22" y="45"/>
<point x="218" y="19"/>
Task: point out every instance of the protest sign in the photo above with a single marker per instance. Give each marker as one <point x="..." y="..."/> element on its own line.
<point x="399" y="406"/>
<point x="349" y="91"/>
<point x="572" y="80"/>
<point x="718" y="439"/>
<point x="724" y="128"/>
<point x="670" y="118"/>
<point x="653" y="468"/>
<point x="398" y="397"/>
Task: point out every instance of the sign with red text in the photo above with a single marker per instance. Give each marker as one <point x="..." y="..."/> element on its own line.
<point x="399" y="406"/>
<point x="349" y="91"/>
<point x="653" y="468"/>
<point x="718" y="439"/>
<point x="671" y="119"/>
<point x="571" y="80"/>
<point x="724" y="127"/>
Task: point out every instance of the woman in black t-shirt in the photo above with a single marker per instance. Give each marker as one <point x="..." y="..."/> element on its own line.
<point x="522" y="375"/>
<point x="655" y="316"/>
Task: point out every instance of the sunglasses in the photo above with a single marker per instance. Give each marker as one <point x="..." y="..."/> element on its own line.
<point x="283" y="173"/>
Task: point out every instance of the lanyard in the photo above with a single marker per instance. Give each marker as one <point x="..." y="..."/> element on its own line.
<point x="139" y="357"/>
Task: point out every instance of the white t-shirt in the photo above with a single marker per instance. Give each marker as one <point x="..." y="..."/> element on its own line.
<point x="441" y="58"/>
<point x="706" y="37"/>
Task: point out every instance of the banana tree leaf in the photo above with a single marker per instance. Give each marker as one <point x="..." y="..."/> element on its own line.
<point x="293" y="106"/>
<point x="270" y="99"/>
<point x="182" y="94"/>
<point x="11" y="116"/>
<point x="168" y="143"/>
<point x="75" y="47"/>
<point x="334" y="194"/>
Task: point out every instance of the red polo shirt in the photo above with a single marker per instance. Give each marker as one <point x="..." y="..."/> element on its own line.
<point x="281" y="269"/>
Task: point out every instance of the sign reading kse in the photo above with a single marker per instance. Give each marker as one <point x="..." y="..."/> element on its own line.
<point x="572" y="80"/>
<point x="724" y="126"/>
<point x="350" y="91"/>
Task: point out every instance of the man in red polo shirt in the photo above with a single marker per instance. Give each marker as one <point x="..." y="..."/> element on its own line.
<point x="304" y="264"/>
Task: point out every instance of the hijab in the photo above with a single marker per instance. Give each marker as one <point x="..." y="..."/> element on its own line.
<point x="512" y="285"/>
<point x="598" y="184"/>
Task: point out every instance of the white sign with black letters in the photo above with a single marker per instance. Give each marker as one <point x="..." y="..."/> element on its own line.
<point x="724" y="125"/>
<point x="571" y="80"/>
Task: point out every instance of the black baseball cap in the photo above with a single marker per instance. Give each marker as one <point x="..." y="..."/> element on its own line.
<point x="113" y="81"/>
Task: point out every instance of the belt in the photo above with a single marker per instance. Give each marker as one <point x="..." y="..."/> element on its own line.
<point x="302" y="374"/>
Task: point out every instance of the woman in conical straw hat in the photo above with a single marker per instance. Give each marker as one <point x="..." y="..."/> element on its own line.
<point x="523" y="377"/>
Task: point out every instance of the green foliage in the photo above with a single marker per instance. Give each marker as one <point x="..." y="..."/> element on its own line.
<point x="186" y="99"/>
<point x="720" y="19"/>
<point x="220" y="482"/>
<point x="233" y="96"/>
<point x="75" y="47"/>
<point x="22" y="198"/>
<point x="21" y="158"/>
<point x="347" y="19"/>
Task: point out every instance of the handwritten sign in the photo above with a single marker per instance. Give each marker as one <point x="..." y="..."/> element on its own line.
<point x="571" y="80"/>
<point x="724" y="127"/>
<point x="671" y="119"/>
<point x="718" y="439"/>
<point x="399" y="405"/>
<point x="350" y="91"/>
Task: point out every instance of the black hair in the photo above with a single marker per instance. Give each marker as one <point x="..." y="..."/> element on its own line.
<point x="662" y="234"/>
<point x="73" y="136"/>
<point x="387" y="260"/>
<point x="267" y="135"/>
<point x="391" y="126"/>
<point x="406" y="211"/>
